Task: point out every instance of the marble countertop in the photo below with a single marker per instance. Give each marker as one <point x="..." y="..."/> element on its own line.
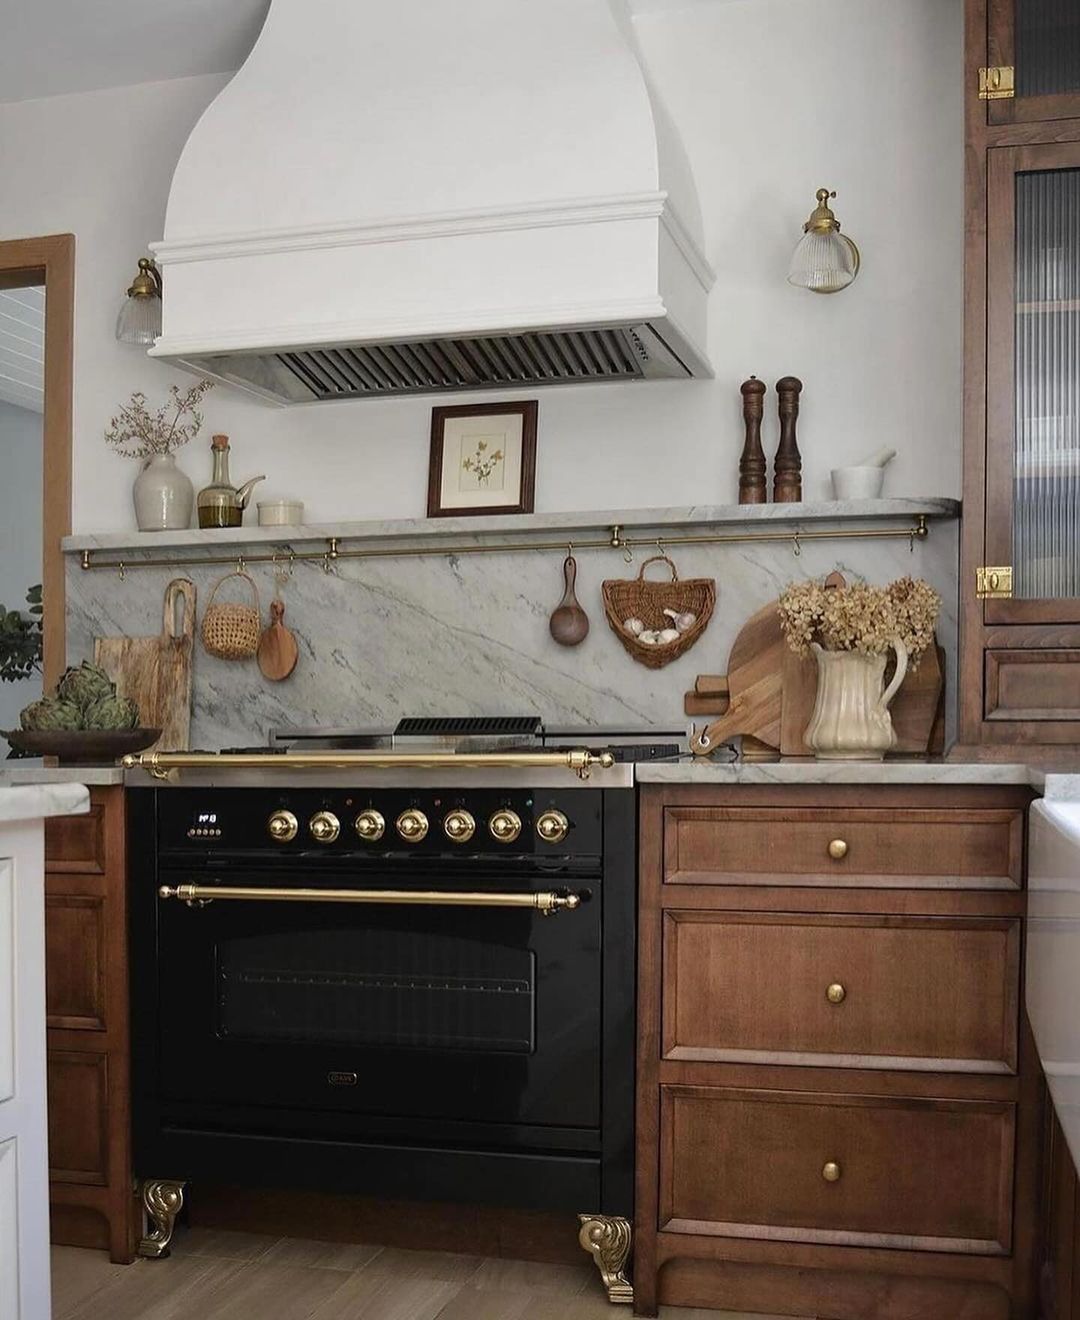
<point x="854" y="772"/>
<point x="36" y="801"/>
<point x="29" y="770"/>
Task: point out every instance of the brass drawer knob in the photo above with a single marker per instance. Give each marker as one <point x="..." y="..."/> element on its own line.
<point x="831" y="1171"/>
<point x="837" y="850"/>
<point x="836" y="994"/>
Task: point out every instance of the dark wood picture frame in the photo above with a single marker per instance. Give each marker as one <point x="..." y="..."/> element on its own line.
<point x="528" y="410"/>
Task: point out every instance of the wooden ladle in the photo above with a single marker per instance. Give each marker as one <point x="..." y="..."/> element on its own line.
<point x="569" y="623"/>
<point x="278" y="652"/>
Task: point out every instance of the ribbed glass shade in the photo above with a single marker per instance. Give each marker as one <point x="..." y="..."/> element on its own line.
<point x="824" y="263"/>
<point x="139" y="321"/>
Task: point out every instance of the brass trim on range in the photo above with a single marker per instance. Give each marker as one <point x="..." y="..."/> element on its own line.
<point x="543" y="901"/>
<point x="607" y="1238"/>
<point x="160" y="765"/>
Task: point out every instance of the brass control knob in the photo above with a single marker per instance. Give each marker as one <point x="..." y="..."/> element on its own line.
<point x="838" y="850"/>
<point x="282" y="826"/>
<point x="831" y="1171"/>
<point x="324" y="827"/>
<point x="412" y="825"/>
<point x="552" y="826"/>
<point x="505" y="825"/>
<point x="370" y="825"/>
<point x="459" y="825"/>
<point x="836" y="994"/>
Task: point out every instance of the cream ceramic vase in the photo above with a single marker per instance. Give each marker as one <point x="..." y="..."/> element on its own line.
<point x="163" y="496"/>
<point x="851" y="720"/>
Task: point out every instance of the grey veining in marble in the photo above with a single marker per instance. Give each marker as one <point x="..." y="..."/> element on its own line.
<point x="30" y="771"/>
<point x="477" y="528"/>
<point x="468" y="634"/>
<point x="36" y="801"/>
<point x="835" y="772"/>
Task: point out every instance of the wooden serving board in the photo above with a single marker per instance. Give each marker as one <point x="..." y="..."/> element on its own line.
<point x="754" y="682"/>
<point x="155" y="672"/>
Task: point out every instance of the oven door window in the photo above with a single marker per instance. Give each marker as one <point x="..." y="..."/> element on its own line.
<point x="471" y="1013"/>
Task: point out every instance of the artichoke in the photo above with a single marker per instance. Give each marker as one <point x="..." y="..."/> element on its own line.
<point x="112" y="712"/>
<point x="85" y="685"/>
<point x="51" y="713"/>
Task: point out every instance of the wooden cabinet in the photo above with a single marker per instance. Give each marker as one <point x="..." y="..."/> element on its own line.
<point x="1020" y="642"/>
<point x="86" y="971"/>
<point x="837" y="1101"/>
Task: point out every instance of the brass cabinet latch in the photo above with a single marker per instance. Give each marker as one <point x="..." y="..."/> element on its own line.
<point x="994" y="583"/>
<point x="997" y="83"/>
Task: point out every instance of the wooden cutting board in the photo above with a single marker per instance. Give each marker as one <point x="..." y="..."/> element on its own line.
<point x="155" y="672"/>
<point x="754" y="682"/>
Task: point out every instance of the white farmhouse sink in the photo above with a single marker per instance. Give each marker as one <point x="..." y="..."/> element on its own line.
<point x="1053" y="955"/>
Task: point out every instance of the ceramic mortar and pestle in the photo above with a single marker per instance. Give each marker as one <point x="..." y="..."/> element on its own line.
<point x="862" y="481"/>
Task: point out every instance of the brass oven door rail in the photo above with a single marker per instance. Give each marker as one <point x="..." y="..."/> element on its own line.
<point x="161" y="765"/>
<point x="545" y="902"/>
<point x="918" y="530"/>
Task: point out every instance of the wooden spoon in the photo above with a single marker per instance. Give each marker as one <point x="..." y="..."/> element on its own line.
<point x="569" y="623"/>
<point x="278" y="652"/>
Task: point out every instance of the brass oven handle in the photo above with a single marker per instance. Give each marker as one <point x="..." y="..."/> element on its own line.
<point x="544" y="901"/>
<point x="160" y="764"/>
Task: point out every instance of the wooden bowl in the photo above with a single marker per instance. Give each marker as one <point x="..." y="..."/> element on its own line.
<point x="81" y="746"/>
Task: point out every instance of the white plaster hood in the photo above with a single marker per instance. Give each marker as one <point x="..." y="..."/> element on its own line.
<point x="434" y="195"/>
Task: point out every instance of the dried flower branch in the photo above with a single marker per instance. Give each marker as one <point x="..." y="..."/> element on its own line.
<point x="135" y="432"/>
<point x="860" y="617"/>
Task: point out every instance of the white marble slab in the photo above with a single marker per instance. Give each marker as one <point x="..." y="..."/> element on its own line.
<point x="539" y="524"/>
<point x="30" y="771"/>
<point x="836" y="772"/>
<point x="36" y="801"/>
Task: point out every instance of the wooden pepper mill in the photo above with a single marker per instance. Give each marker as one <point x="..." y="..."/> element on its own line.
<point x="752" y="484"/>
<point x="787" y="467"/>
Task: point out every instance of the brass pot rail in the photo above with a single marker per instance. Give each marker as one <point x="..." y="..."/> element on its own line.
<point x="160" y="765"/>
<point x="283" y="555"/>
<point x="546" y="902"/>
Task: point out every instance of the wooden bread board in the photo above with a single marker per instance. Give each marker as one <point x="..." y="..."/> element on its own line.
<point x="155" y="672"/>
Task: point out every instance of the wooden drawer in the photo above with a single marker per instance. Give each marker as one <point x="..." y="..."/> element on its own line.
<point x="937" y="993"/>
<point x="930" y="1174"/>
<point x="76" y="844"/>
<point x="1032" y="685"/>
<point x="971" y="847"/>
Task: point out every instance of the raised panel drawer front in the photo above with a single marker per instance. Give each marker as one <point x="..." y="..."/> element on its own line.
<point x="76" y="844"/>
<point x="929" y="993"/>
<point x="1033" y="685"/>
<point x="971" y="848"/>
<point x="876" y="1171"/>
<point x="75" y="961"/>
<point x="78" y="1117"/>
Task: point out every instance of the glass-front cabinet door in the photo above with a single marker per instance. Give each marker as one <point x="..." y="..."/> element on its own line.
<point x="1039" y="42"/>
<point x="1033" y="384"/>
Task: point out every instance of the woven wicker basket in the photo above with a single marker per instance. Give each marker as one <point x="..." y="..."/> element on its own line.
<point x="635" y="598"/>
<point x="231" y="630"/>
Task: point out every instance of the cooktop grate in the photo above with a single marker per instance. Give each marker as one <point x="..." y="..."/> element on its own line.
<point x="470" y="726"/>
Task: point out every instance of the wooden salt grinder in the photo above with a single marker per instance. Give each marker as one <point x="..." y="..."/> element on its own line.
<point x="787" y="467"/>
<point x="752" y="485"/>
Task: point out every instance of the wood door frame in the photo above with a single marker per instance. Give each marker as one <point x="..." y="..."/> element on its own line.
<point x="50" y="261"/>
<point x="1001" y="36"/>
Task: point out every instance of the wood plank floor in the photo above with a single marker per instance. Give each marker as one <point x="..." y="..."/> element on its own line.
<point x="214" y="1274"/>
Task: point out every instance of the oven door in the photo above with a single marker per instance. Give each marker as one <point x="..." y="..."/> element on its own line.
<point x="485" y="1014"/>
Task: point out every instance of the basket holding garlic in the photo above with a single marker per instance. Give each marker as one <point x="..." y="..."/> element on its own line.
<point x="681" y="621"/>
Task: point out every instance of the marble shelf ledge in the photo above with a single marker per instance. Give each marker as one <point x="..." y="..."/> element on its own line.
<point x="632" y="522"/>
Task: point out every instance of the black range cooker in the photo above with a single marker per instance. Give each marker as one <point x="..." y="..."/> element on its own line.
<point x="406" y="982"/>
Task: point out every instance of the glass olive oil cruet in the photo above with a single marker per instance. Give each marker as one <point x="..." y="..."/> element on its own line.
<point x="221" y="504"/>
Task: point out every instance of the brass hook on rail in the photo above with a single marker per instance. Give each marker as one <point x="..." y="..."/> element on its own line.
<point x="795" y="545"/>
<point x="86" y="559"/>
<point x="122" y="570"/>
<point x="330" y="556"/>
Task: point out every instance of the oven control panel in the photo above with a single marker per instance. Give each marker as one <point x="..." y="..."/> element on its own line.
<point x="381" y="822"/>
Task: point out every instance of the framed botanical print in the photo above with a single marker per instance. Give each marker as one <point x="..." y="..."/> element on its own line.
<point x="483" y="459"/>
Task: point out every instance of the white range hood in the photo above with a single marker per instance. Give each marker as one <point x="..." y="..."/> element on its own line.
<point x="415" y="196"/>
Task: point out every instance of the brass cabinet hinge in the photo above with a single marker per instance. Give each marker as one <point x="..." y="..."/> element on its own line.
<point x="994" y="583"/>
<point x="998" y="83"/>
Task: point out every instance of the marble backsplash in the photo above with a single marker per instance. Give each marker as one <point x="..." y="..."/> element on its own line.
<point x="384" y="637"/>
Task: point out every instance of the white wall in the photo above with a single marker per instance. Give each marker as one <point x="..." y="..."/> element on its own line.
<point x="20" y="521"/>
<point x="774" y="98"/>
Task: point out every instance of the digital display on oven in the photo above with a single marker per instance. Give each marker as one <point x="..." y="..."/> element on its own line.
<point x="204" y="825"/>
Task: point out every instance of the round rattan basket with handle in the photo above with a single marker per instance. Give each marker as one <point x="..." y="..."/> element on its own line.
<point x="230" y="630"/>
<point x="637" y="598"/>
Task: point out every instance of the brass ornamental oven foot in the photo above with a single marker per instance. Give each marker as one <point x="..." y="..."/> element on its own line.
<point x="607" y="1239"/>
<point x="162" y="1200"/>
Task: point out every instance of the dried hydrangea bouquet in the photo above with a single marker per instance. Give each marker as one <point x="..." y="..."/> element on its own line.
<point x="850" y="631"/>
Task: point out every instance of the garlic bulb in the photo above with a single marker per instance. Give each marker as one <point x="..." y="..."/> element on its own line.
<point x="683" y="622"/>
<point x="648" y="636"/>
<point x="668" y="635"/>
<point x="634" y="627"/>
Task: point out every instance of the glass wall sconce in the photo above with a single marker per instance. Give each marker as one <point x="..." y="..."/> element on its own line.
<point x="139" y="321"/>
<point x="825" y="260"/>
